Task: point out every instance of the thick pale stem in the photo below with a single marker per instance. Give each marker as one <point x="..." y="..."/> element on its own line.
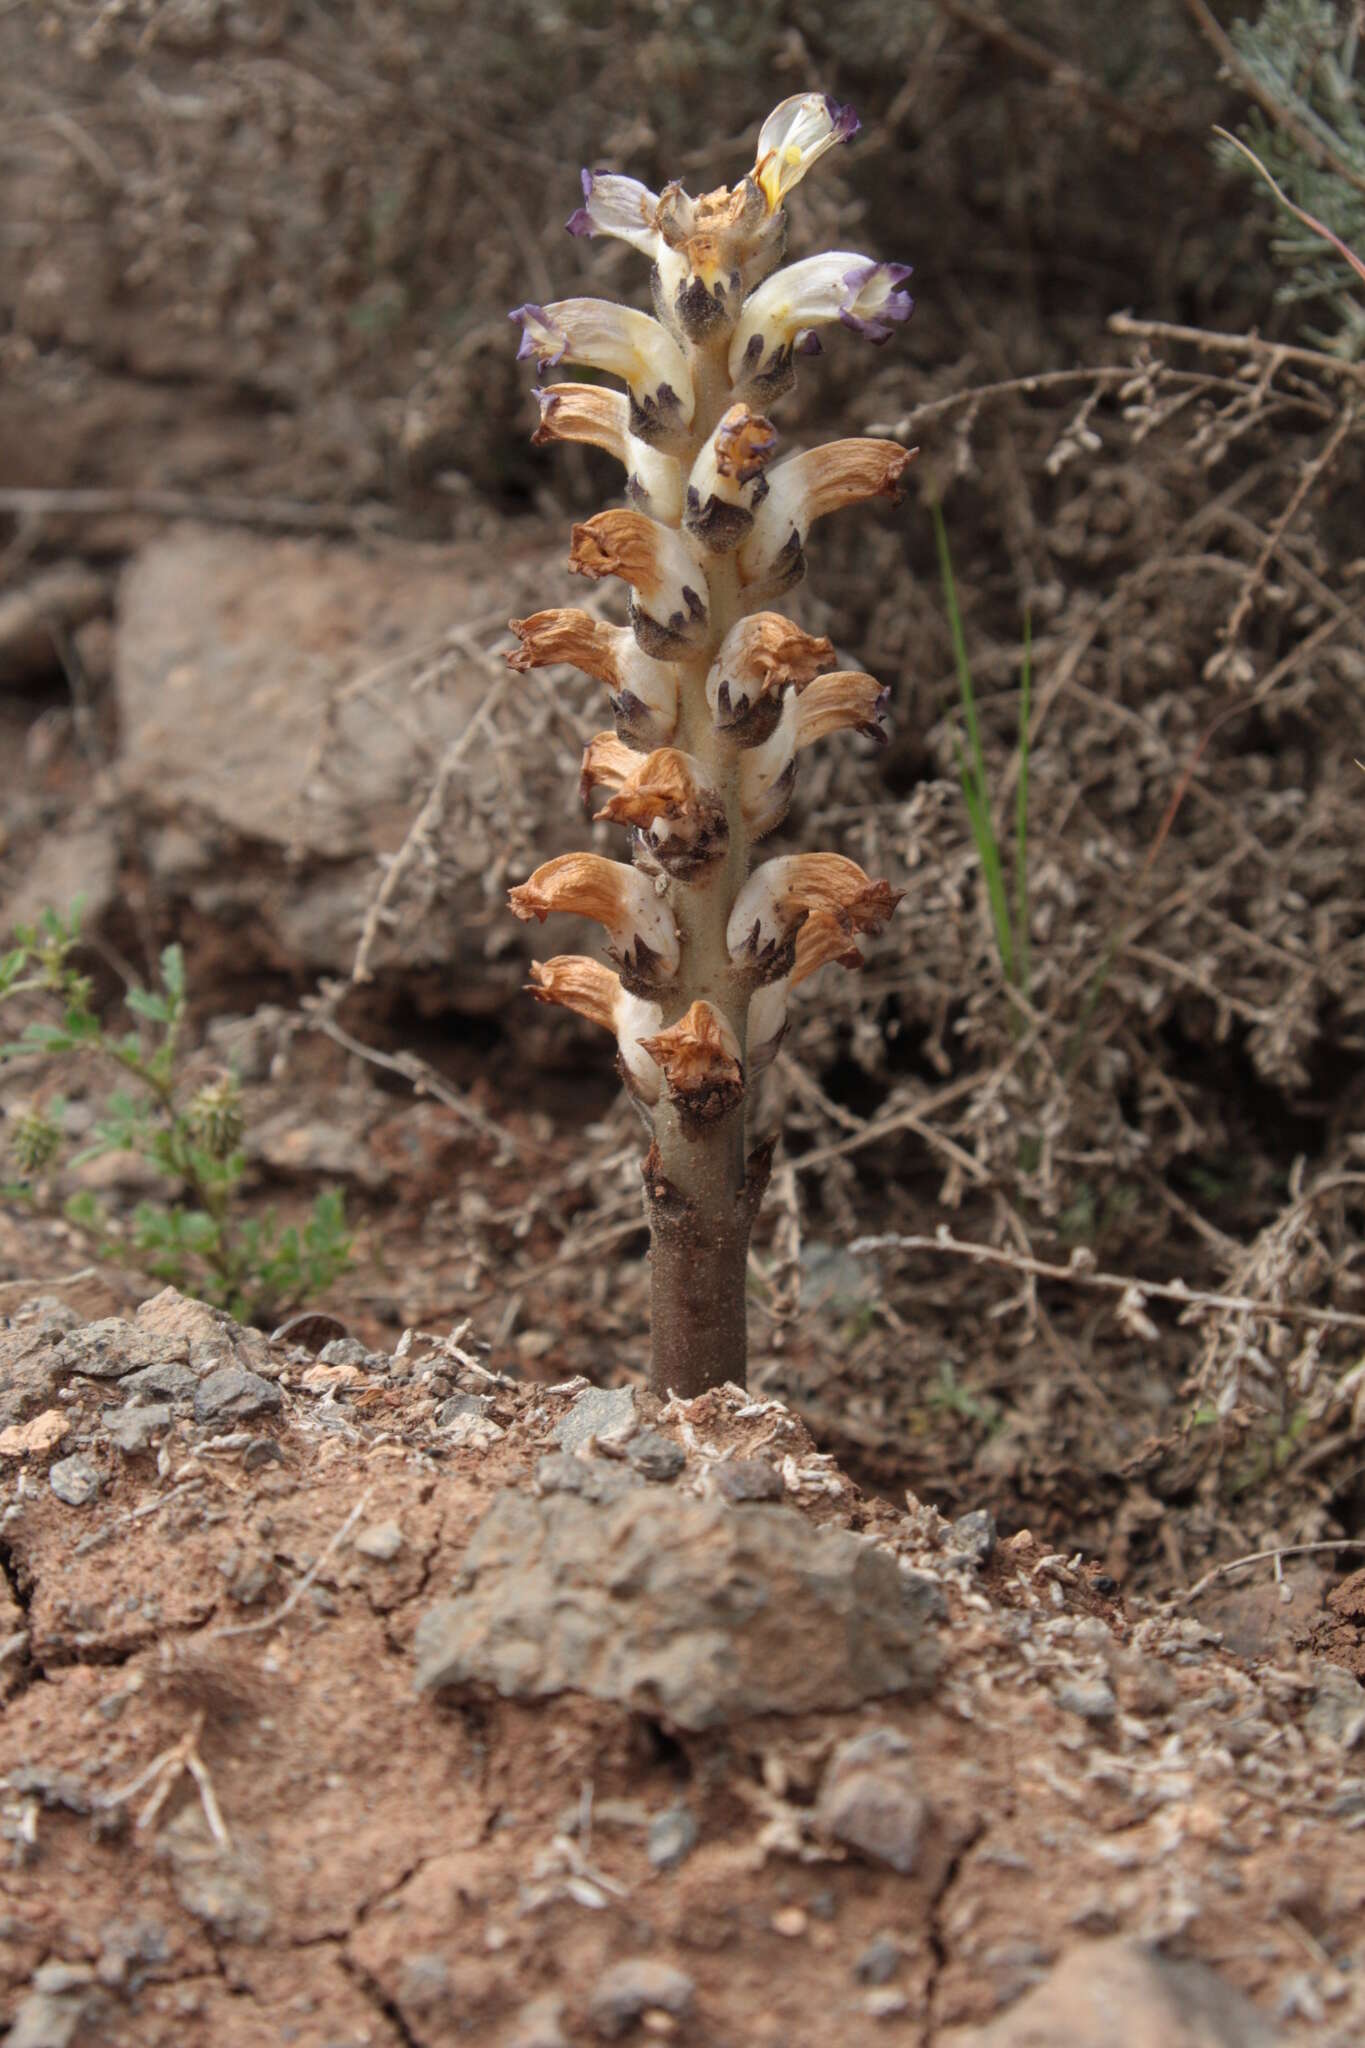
<point x="701" y="1196"/>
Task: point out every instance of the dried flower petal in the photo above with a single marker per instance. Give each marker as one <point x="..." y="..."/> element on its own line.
<point x="796" y="135"/>
<point x="727" y="481"/>
<point x="701" y="1063"/>
<point x="670" y="799"/>
<point x="803" y="489"/>
<point x="663" y="568"/>
<point x="779" y="896"/>
<point x="591" y="413"/>
<point x="586" y="986"/>
<point x="783" y="314"/>
<point x="624" y="343"/>
<point x="638" y="923"/>
<point x="759" y="659"/>
<point x="644" y="692"/>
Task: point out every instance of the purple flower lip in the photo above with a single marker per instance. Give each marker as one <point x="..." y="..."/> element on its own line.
<point x="845" y="122"/>
<point x="580" y="222"/>
<point x="524" y="315"/>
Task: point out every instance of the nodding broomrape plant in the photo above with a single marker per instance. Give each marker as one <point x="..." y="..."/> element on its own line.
<point x="713" y="695"/>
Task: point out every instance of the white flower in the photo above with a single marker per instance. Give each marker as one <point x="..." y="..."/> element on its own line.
<point x="644" y="692"/>
<point x="589" y="412"/>
<point x="758" y="659"/>
<point x="617" y="206"/>
<point x="806" y="487"/>
<point x="795" y="135"/>
<point x="626" y="344"/>
<point x="778" y="898"/>
<point x="638" y="923"/>
<point x="727" y="479"/>
<point x="784" y="312"/>
<point x="663" y="568"/>
<point x="668" y="798"/>
<point x="847" y="701"/>
<point x="593" y="991"/>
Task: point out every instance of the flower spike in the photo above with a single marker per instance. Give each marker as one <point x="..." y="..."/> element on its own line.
<point x="714" y="697"/>
<point x="639" y="925"/>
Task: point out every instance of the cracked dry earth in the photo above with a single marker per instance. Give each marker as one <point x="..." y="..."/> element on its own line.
<point x="365" y="1698"/>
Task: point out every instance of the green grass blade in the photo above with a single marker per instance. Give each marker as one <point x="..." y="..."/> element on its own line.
<point x="1021" y="902"/>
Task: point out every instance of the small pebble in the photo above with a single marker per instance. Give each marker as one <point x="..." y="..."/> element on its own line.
<point x="232" y="1392"/>
<point x="672" y="1838"/>
<point x="625" y="1993"/>
<point x="74" y="1480"/>
<point x="886" y="2004"/>
<point x="381" y="1541"/>
<point x="343" y="1351"/>
<point x="740" y="1479"/>
<point x="655" y="1456"/>
<point x="598" y="1411"/>
<point x="132" y="1428"/>
<point x="879" y="1961"/>
<point x="1093" y="1702"/>
<point x="974" y="1534"/>
<point x="791" y="1922"/>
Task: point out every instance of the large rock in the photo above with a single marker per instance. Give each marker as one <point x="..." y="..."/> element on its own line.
<point x="1122" y="1994"/>
<point x="689" y="1609"/>
<point x="267" y="788"/>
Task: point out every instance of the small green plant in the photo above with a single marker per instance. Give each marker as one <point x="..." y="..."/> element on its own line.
<point x="1009" y="918"/>
<point x="196" y="1238"/>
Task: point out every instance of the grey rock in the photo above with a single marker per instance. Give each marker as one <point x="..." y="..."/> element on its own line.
<point x="589" y="1478"/>
<point x="1336" y="1715"/>
<point x="30" y="1374"/>
<point x="112" y="1348"/>
<point x="236" y="1394"/>
<point x="1093" y="1700"/>
<point x="974" y="1534"/>
<point x="74" y="1480"/>
<point x="132" y="1428"/>
<point x="214" y="1339"/>
<point x="170" y="1382"/>
<point x="45" y="1314"/>
<point x="223" y="1887"/>
<point x="343" y="1351"/>
<point x="630" y="1989"/>
<point x="225" y="666"/>
<point x="1120" y="1993"/>
<point x="879" y="1961"/>
<point x="64" y="2005"/>
<point x="675" y="1606"/>
<point x="672" y="1838"/>
<point x="870" y="1799"/>
<point x="598" y="1411"/>
<point x="655" y="1456"/>
<point x="381" y="1541"/>
<point x="476" y="1406"/>
<point x="740" y="1479"/>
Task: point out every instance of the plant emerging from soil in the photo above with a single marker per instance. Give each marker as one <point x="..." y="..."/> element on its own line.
<point x="713" y="693"/>
<point x="190" y="1133"/>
